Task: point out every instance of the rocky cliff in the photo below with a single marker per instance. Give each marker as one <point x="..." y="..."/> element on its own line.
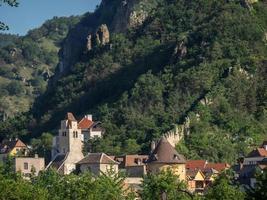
<point x="110" y="17"/>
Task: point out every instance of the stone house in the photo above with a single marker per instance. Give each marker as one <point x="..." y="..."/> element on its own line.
<point x="98" y="163"/>
<point x="28" y="166"/>
<point x="163" y="157"/>
<point x="89" y="128"/>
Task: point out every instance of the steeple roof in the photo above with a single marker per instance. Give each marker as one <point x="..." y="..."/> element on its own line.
<point x="165" y="153"/>
<point x="70" y="117"/>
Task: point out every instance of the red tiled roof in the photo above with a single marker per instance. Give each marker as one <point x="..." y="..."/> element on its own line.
<point x="130" y="160"/>
<point x="203" y="165"/>
<point x="196" y="164"/>
<point x="218" y="166"/>
<point x="85" y="123"/>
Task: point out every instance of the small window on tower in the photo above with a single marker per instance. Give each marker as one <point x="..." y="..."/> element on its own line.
<point x="74" y="134"/>
<point x="26" y="166"/>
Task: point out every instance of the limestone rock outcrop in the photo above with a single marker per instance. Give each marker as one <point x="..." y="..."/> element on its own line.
<point x="101" y="37"/>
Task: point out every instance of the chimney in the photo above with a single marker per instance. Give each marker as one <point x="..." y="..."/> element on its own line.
<point x="90" y="117"/>
<point x="153" y="146"/>
<point x="265" y="146"/>
<point x="36" y="155"/>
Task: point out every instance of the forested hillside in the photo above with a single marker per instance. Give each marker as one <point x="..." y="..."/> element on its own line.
<point x="28" y="62"/>
<point x="205" y="60"/>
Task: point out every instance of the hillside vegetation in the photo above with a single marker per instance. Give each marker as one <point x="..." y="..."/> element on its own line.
<point x="28" y="62"/>
<point x="204" y="60"/>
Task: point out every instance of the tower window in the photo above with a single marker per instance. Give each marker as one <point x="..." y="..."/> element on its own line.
<point x="26" y="166"/>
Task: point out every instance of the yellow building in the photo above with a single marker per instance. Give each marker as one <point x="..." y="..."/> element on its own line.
<point x="163" y="157"/>
<point x="12" y="148"/>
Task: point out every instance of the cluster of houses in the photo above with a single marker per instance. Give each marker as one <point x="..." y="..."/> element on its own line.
<point x="67" y="156"/>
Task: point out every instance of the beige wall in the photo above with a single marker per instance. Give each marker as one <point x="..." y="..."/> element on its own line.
<point x="37" y="163"/>
<point x="177" y="169"/>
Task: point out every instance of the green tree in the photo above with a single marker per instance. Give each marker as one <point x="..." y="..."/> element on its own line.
<point x="15" y="88"/>
<point x="224" y="189"/>
<point x="43" y="145"/>
<point x="131" y="147"/>
<point x="260" y="190"/>
<point x="165" y="183"/>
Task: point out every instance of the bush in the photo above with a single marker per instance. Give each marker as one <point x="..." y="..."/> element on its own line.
<point x="15" y="88"/>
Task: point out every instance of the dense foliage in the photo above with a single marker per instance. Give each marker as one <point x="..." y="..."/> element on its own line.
<point x="205" y="60"/>
<point x="164" y="185"/>
<point x="28" y="62"/>
<point x="51" y="185"/>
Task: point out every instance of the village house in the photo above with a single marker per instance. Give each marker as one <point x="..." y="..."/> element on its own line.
<point x="28" y="166"/>
<point x="200" y="174"/>
<point x="89" y="128"/>
<point x="195" y="181"/>
<point x="247" y="167"/>
<point x="163" y="157"/>
<point x="19" y="154"/>
<point x="98" y="163"/>
<point x="12" y="148"/>
<point x="132" y="165"/>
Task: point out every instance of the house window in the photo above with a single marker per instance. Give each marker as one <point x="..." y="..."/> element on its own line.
<point x="26" y="166"/>
<point x="199" y="184"/>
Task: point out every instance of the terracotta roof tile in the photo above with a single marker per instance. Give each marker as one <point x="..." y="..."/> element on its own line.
<point x="218" y="166"/>
<point x="85" y="123"/>
<point x="204" y="165"/>
<point x="165" y="153"/>
<point x="131" y="160"/>
<point x="195" y="164"/>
